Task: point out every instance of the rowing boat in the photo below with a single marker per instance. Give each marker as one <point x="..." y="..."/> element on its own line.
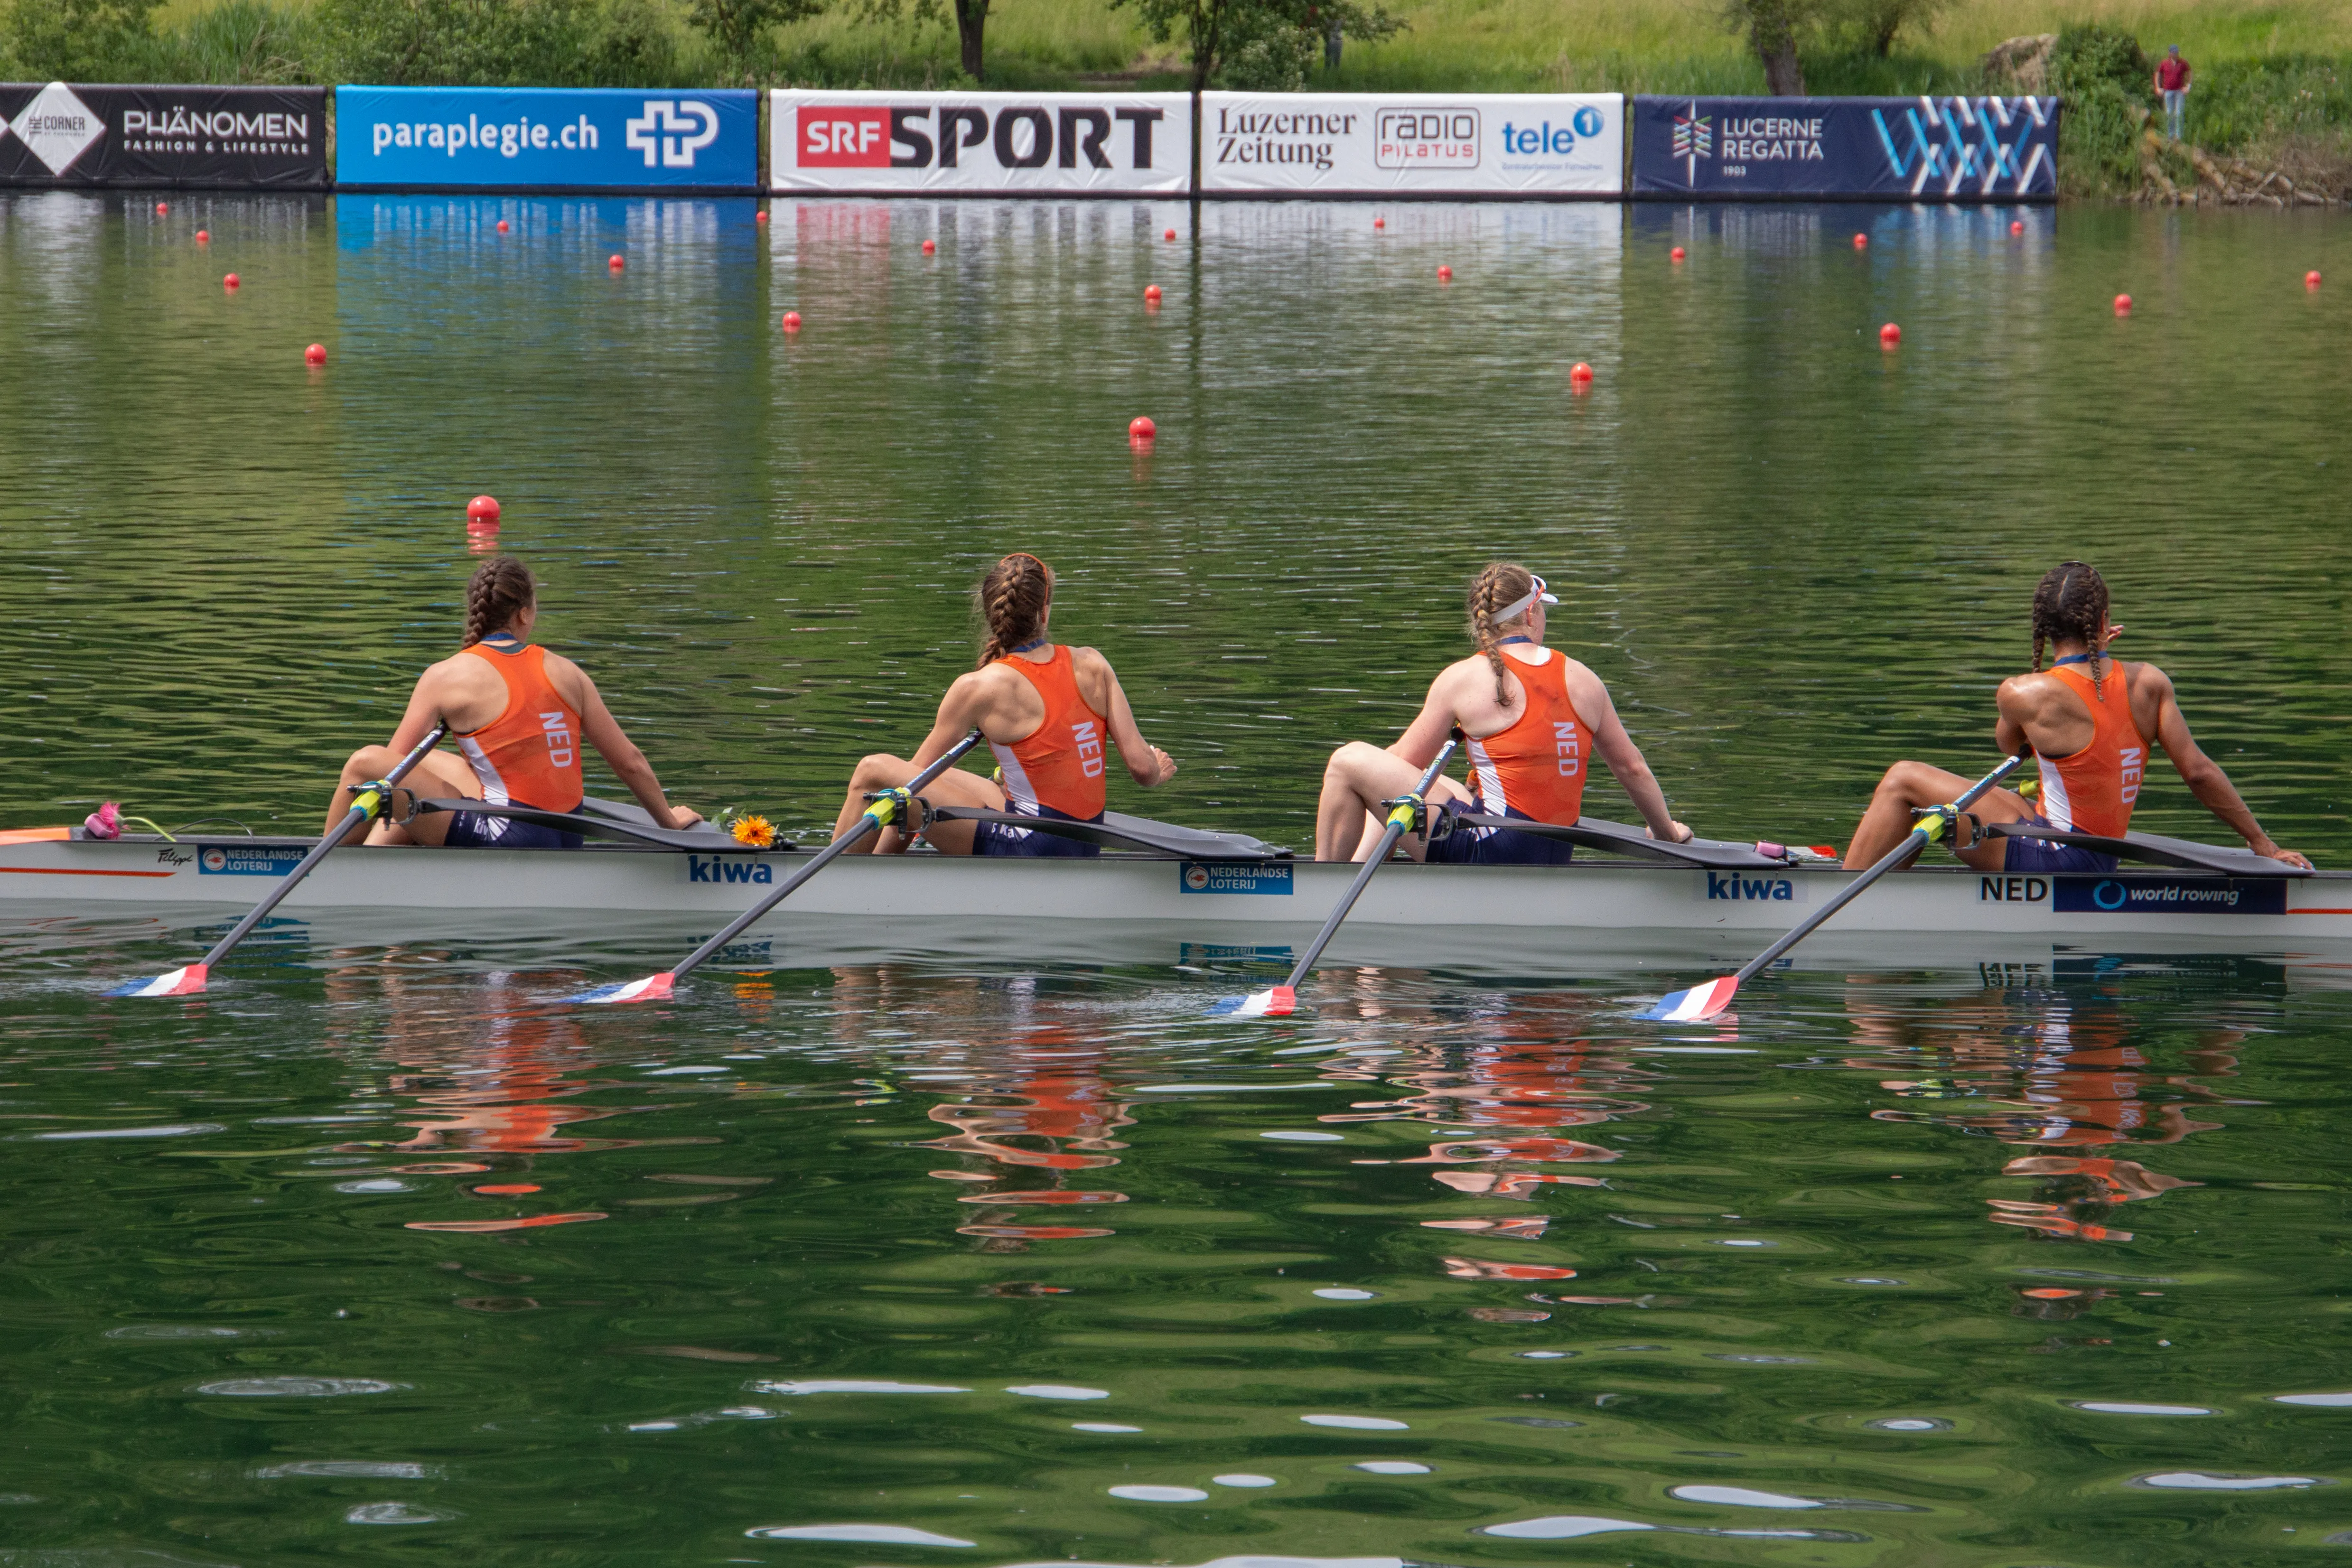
<point x="1621" y="904"/>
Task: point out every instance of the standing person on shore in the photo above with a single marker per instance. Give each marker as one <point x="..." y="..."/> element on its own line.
<point x="2172" y="84"/>
<point x="1045" y="710"/>
<point x="519" y="713"/>
<point x="1535" y="719"/>
<point x="2088" y="719"/>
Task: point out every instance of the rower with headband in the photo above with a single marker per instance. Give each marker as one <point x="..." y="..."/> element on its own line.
<point x="1048" y="713"/>
<point x="1533" y="722"/>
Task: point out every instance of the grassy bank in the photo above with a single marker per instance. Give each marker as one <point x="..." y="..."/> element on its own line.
<point x="2274" y="79"/>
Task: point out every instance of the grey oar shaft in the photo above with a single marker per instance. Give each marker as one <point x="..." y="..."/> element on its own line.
<point x="1373" y="862"/>
<point x="825" y="856"/>
<point x="1912" y="842"/>
<point x="352" y="818"/>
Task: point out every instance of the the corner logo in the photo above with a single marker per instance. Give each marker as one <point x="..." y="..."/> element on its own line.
<point x="58" y="126"/>
<point x="673" y="129"/>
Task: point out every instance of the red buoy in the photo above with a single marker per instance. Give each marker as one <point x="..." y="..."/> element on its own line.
<point x="315" y="354"/>
<point x="2016" y="226"/>
<point x="1862" y="242"/>
<point x="760" y="217"/>
<point x="1151" y="293"/>
<point x="1170" y="235"/>
<point x="204" y="237"/>
<point x="791" y="320"/>
<point x="2123" y="304"/>
<point x="502" y="225"/>
<point x="1446" y="275"/>
<point x="2311" y="280"/>
<point x="1889" y="335"/>
<point x="482" y="511"/>
<point x="1141" y="428"/>
<point x="1380" y="223"/>
<point x="1676" y="254"/>
<point x="230" y="282"/>
<point x="162" y="208"/>
<point x="616" y="264"/>
<point x="931" y="247"/>
<point x="1580" y="372"/>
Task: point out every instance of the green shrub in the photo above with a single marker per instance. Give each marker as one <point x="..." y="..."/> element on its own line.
<point x="2240" y="104"/>
<point x="2099" y="135"/>
<point x="2087" y="56"/>
<point x="497" y="43"/>
<point x="80" y="40"/>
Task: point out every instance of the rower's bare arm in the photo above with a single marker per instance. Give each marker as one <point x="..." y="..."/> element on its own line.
<point x="1624" y="758"/>
<point x="2203" y="776"/>
<point x="1146" y="764"/>
<point x="970" y="703"/>
<point x="603" y="731"/>
<point x="1440" y="711"/>
<point x="2016" y="707"/>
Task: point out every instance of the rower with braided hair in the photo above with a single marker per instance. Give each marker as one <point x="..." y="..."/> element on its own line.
<point x="1535" y="719"/>
<point x="1046" y="710"/>
<point x="518" y="715"/>
<point x="2088" y="719"/>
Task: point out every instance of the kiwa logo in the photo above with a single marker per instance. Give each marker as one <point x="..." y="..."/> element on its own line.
<point x="882" y="136"/>
<point x="1776" y="889"/>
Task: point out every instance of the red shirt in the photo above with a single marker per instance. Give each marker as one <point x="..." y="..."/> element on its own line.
<point x="2171" y="73"/>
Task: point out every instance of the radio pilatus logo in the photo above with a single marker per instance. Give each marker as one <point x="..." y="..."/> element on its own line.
<point x="1694" y="139"/>
<point x="675" y="129"/>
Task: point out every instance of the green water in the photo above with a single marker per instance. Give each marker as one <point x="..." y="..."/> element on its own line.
<point x="1850" y="1278"/>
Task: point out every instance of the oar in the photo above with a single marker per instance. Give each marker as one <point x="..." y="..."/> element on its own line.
<point x="367" y="802"/>
<point x="889" y="805"/>
<point x="1405" y="814"/>
<point x="1705" y="1001"/>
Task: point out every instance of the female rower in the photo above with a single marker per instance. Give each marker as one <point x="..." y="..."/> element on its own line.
<point x="1044" y="708"/>
<point x="1533" y="718"/>
<point x="518" y="714"/>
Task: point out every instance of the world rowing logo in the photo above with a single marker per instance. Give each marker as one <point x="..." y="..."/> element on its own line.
<point x="2108" y="895"/>
<point x="665" y="129"/>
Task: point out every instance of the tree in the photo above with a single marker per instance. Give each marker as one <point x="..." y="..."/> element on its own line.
<point x="1772" y="26"/>
<point x="80" y="40"/>
<point x="1260" y="43"/>
<point x="971" y="20"/>
<point x="1872" y="25"/>
<point x="739" y="26"/>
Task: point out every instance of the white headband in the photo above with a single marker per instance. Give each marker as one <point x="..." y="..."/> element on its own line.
<point x="1517" y="607"/>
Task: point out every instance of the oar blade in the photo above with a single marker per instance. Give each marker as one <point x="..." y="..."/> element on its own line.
<point x="1696" y="1005"/>
<point x="1280" y="1002"/>
<point x="652" y="988"/>
<point x="185" y="981"/>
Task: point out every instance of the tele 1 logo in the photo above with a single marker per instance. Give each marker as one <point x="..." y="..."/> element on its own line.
<point x="1548" y="140"/>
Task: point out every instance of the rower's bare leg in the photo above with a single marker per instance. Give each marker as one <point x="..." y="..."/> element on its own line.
<point x="953" y="788"/>
<point x="1908" y="785"/>
<point x="437" y="776"/>
<point x="1348" y="817"/>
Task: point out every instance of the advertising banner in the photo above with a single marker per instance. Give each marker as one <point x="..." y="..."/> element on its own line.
<point x="1884" y="149"/>
<point x="981" y="143"/>
<point x="71" y="133"/>
<point x="1373" y="145"/>
<point x="547" y="139"/>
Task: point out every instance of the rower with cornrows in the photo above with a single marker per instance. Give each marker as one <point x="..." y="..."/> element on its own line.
<point x="518" y="715"/>
<point x="1534" y="719"/>
<point x="1046" y="710"/>
<point x="2088" y="719"/>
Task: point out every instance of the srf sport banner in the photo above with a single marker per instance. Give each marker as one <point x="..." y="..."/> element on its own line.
<point x="1471" y="145"/>
<point x="981" y="143"/>
<point x="231" y="138"/>
<point x="547" y="139"/>
<point x="1900" y="148"/>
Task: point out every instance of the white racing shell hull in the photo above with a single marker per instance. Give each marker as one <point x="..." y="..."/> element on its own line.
<point x="1077" y="909"/>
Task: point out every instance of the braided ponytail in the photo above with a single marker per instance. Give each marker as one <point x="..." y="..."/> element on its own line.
<point x="2071" y="601"/>
<point x="1012" y="601"/>
<point x="502" y="588"/>
<point x="1499" y="584"/>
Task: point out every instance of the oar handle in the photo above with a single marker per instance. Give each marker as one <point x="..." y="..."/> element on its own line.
<point x="1401" y="817"/>
<point x="884" y="810"/>
<point x="365" y="804"/>
<point x="1918" y="839"/>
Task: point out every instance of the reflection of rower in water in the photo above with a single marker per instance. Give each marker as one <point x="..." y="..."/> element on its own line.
<point x="1046" y="710"/>
<point x="519" y="713"/>
<point x="2087" y="719"/>
<point x="1533" y="717"/>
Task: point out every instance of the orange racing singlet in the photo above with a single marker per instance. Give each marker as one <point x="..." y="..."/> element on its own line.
<point x="1536" y="767"/>
<point x="529" y="755"/>
<point x="2093" y="791"/>
<point x="1059" y="766"/>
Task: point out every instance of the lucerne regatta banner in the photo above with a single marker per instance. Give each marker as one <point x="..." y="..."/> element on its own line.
<point x="547" y="139"/>
<point x="981" y="143"/>
<point x="1915" y="149"/>
<point x="1368" y="144"/>
<point x="73" y="133"/>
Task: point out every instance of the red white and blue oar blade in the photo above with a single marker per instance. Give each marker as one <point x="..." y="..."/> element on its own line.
<point x="1279" y="1003"/>
<point x="179" y="983"/>
<point x="1698" y="1003"/>
<point x="652" y="988"/>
